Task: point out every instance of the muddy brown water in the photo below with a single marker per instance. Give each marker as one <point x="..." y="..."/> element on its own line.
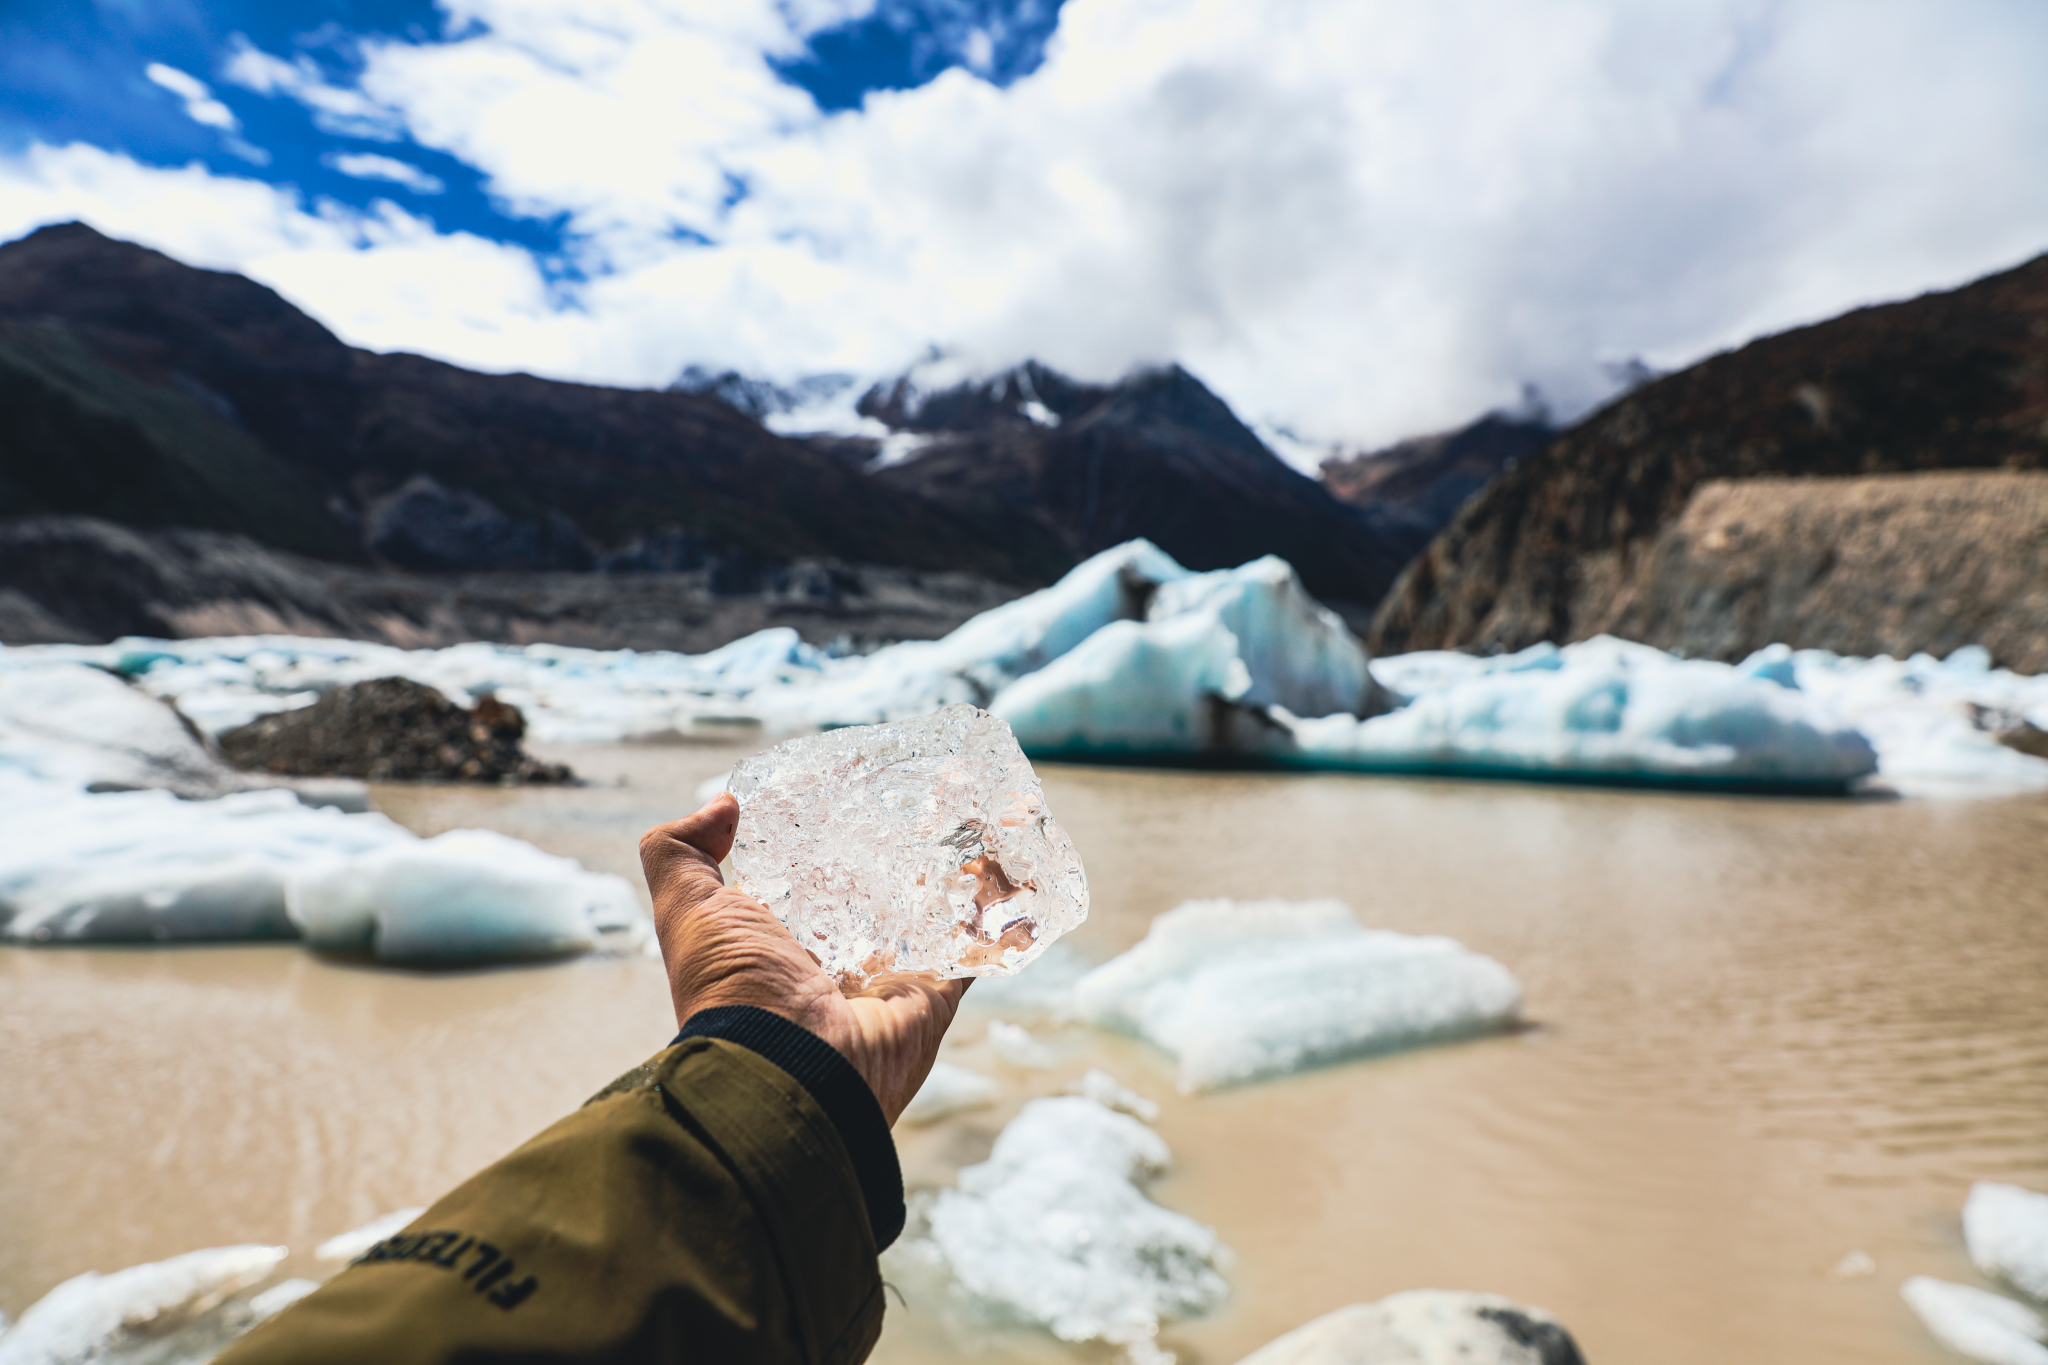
<point x="1767" y="1033"/>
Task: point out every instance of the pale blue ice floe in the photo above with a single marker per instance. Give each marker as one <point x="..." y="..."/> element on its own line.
<point x="1979" y="1324"/>
<point x="1054" y="1230"/>
<point x="1603" y="709"/>
<point x="98" y="846"/>
<point x="2006" y="1230"/>
<point x="1236" y="991"/>
<point x="145" y="866"/>
<point x="180" y="1311"/>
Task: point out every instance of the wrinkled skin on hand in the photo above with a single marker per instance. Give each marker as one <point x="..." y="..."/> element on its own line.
<point x="723" y="947"/>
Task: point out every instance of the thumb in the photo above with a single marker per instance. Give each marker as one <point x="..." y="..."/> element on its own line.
<point x="681" y="858"/>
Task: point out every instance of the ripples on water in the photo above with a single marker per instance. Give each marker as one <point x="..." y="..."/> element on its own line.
<point x="1767" y="1032"/>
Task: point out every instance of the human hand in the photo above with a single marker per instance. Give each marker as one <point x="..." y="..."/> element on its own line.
<point x="723" y="947"/>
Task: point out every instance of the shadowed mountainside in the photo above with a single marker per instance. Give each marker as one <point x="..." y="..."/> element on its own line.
<point x="1410" y="490"/>
<point x="1557" y="546"/>
<point x="1076" y="468"/>
<point x="156" y="394"/>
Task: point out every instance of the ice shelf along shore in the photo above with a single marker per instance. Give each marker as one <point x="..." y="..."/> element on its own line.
<point x="1133" y="657"/>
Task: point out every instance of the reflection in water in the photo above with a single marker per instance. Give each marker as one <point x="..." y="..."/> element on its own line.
<point x="1769" y="1032"/>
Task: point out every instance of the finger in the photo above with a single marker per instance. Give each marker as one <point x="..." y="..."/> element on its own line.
<point x="682" y="856"/>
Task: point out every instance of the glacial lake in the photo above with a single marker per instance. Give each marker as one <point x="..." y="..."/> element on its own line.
<point x="1764" y="1034"/>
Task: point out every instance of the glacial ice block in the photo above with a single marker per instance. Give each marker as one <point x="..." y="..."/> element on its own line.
<point x="2006" y="1229"/>
<point x="1980" y="1325"/>
<point x="1055" y="1229"/>
<point x="1240" y="990"/>
<point x="922" y="846"/>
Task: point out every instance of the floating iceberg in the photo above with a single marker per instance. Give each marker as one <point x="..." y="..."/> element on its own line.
<point x="988" y="653"/>
<point x="1604" y="710"/>
<point x="346" y="1246"/>
<point x="178" y="1312"/>
<point x="82" y="727"/>
<point x="1980" y="1325"/>
<point x="1926" y="717"/>
<point x="1425" y="1325"/>
<point x="1198" y="675"/>
<point x="2006" y="1229"/>
<point x="1240" y="990"/>
<point x="145" y="866"/>
<point x="1054" y="1230"/>
<point x="1107" y="1091"/>
<point x="947" y="1091"/>
<point x="462" y="896"/>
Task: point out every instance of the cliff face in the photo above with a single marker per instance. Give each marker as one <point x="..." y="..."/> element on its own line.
<point x="1881" y="564"/>
<point x="141" y="389"/>
<point x="1075" y="468"/>
<point x="1559" y="547"/>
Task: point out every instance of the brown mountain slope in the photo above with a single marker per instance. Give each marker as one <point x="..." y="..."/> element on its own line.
<point x="1555" y="547"/>
<point x="198" y="397"/>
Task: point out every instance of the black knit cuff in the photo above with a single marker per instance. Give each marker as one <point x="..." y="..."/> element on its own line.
<point x="839" y="1090"/>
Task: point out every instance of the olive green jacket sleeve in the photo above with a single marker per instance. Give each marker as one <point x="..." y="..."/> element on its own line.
<point x="703" y="1207"/>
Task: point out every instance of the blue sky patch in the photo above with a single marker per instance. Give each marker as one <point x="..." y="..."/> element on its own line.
<point x="81" y="71"/>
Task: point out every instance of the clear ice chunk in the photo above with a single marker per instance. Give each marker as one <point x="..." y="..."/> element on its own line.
<point x="921" y="846"/>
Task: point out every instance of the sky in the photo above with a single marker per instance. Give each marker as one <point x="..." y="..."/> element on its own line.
<point x="1356" y="220"/>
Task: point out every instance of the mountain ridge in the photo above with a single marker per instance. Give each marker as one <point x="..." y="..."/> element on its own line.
<point x="1552" y="549"/>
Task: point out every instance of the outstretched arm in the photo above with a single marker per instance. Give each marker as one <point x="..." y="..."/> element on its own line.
<point x="723" y="1201"/>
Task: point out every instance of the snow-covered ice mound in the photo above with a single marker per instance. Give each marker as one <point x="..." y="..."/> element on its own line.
<point x="1425" y="1327"/>
<point x="1214" y="651"/>
<point x="1239" y="990"/>
<point x="2006" y="1229"/>
<point x="1980" y="1325"/>
<point x="82" y="727"/>
<point x="462" y="896"/>
<point x="182" y="1311"/>
<point x="985" y="655"/>
<point x="1603" y="709"/>
<point x="145" y="866"/>
<point x="1054" y="1230"/>
<point x="1931" y="720"/>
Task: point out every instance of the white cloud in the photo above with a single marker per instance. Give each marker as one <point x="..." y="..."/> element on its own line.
<point x="335" y="109"/>
<point x="1359" y="218"/>
<point x="370" y="166"/>
<point x="200" y="105"/>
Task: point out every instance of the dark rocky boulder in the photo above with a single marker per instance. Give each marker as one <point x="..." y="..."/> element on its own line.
<point x="391" y="730"/>
<point x="1550" y="549"/>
